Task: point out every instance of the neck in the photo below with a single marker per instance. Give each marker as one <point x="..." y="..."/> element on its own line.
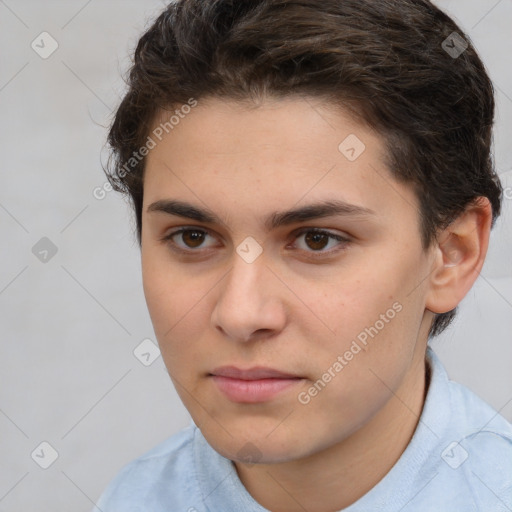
<point x="338" y="476"/>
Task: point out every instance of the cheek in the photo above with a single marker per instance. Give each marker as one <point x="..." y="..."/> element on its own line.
<point x="355" y="302"/>
<point x="160" y="291"/>
<point x="169" y="291"/>
<point x="169" y="295"/>
<point x="179" y="308"/>
<point x="373" y="318"/>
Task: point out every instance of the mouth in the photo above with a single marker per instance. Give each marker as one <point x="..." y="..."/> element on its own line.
<point x="254" y="385"/>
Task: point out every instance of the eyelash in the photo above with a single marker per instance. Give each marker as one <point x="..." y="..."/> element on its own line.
<point x="315" y="254"/>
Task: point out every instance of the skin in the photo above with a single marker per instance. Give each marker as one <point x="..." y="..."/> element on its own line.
<point x="299" y="305"/>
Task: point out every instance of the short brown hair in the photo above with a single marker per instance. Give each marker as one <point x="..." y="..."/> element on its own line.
<point x="387" y="60"/>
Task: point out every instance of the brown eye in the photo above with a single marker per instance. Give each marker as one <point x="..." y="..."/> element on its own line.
<point x="319" y="242"/>
<point x="190" y="239"/>
<point x="193" y="238"/>
<point x="316" y="241"/>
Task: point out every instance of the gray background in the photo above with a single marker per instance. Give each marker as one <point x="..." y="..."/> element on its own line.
<point x="70" y="324"/>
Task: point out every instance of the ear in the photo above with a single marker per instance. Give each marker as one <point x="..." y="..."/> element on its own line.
<point x="459" y="255"/>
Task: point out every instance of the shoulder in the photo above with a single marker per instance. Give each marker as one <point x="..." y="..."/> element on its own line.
<point x="165" y="474"/>
<point x="465" y="411"/>
<point x="475" y="448"/>
<point x="486" y="438"/>
<point x="475" y="420"/>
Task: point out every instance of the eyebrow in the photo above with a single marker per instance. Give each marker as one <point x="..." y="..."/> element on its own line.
<point x="273" y="221"/>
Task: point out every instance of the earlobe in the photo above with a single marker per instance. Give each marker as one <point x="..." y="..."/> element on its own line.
<point x="459" y="256"/>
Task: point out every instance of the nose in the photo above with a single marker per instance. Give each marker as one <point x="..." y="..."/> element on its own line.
<point x="249" y="304"/>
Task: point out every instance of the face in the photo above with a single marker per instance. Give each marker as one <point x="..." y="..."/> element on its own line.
<point x="284" y="274"/>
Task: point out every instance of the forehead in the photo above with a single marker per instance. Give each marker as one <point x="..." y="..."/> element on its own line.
<point x="279" y="151"/>
<point x="237" y="126"/>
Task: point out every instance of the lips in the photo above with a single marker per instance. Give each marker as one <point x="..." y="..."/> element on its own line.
<point x="256" y="373"/>
<point x="252" y="385"/>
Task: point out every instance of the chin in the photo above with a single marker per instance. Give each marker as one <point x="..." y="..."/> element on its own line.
<point x="250" y="446"/>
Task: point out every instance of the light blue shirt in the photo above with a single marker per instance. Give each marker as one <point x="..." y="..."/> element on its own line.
<point x="459" y="460"/>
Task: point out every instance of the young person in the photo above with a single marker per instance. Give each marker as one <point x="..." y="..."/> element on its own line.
<point x="314" y="192"/>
